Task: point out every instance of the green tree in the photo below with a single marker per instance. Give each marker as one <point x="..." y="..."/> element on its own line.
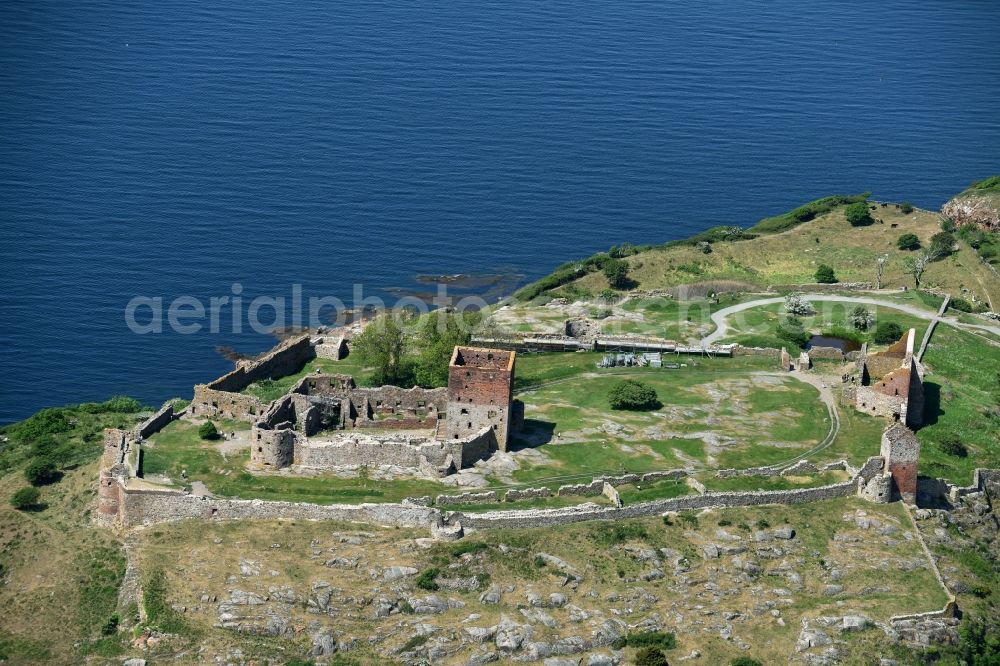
<point x="906" y="208"/>
<point x="861" y="318"/>
<point x="942" y="244"/>
<point x="792" y="330"/>
<point x="207" y="430"/>
<point x="651" y="656"/>
<point x="633" y="395"/>
<point x="383" y="345"/>
<point x="616" y="271"/>
<point x="42" y="471"/>
<point x="858" y="215"/>
<point x="908" y="242"/>
<point x="887" y="332"/>
<point x="26" y="499"/>
<point x="439" y="334"/>
<point x="825" y="275"/>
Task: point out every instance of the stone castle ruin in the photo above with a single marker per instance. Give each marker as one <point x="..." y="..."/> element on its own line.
<point x="481" y="393"/>
<point x="326" y="422"/>
<point x="888" y="383"/>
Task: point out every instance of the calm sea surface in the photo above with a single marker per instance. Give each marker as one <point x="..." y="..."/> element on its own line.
<point x="173" y="148"/>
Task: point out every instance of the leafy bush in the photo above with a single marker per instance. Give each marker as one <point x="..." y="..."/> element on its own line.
<point x="825" y="275"/>
<point x="792" y="330"/>
<point x="745" y="661"/>
<point x="425" y="581"/>
<point x="49" y="421"/>
<point x="796" y="305"/>
<point x="207" y="430"/>
<point x="110" y="626"/>
<point x="948" y="225"/>
<point x="41" y="472"/>
<point x="861" y="318"/>
<point x="960" y="304"/>
<point x="642" y="639"/>
<point x="858" y="214"/>
<point x="762" y="524"/>
<point x="616" y="271"/>
<point x="651" y="656"/>
<point x="950" y="444"/>
<point x="608" y="294"/>
<point x="119" y="404"/>
<point x="908" y="242"/>
<point x="942" y="244"/>
<point x="887" y="332"/>
<point x="633" y="395"/>
<point x="26" y="499"/>
<point x="906" y="208"/>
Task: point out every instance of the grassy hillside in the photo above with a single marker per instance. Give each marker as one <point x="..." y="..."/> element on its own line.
<point x="787" y="249"/>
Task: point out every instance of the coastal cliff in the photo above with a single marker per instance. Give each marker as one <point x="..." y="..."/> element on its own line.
<point x="979" y="205"/>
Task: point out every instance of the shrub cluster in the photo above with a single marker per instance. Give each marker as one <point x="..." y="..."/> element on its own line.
<point x="808" y="211"/>
<point x="633" y="395"/>
<point x="887" y="332"/>
<point x="908" y="242"/>
<point x="858" y="214"/>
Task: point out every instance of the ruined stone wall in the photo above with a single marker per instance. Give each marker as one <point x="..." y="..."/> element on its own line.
<point x="108" y="497"/>
<point x="826" y="352"/>
<point x="222" y="397"/>
<point x="515" y="494"/>
<point x="564" y="516"/>
<point x="821" y="287"/>
<point x="382" y="407"/>
<point x="477" y="446"/>
<point x="148" y="507"/>
<point x="870" y="401"/>
<point x="740" y="350"/>
<point x="901" y="451"/>
<point x="331" y="347"/>
<point x="357" y="451"/>
<point x="285" y="359"/>
<point x="156" y="422"/>
<point x="224" y="404"/>
<point x="467" y="498"/>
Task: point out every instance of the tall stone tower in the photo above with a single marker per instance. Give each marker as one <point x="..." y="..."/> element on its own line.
<point x="480" y="393"/>
<point x="900" y="450"/>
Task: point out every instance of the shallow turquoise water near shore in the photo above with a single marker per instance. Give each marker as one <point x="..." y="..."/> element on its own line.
<point x="172" y="148"/>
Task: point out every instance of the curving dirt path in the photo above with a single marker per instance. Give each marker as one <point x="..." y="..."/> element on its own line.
<point x="722" y="328"/>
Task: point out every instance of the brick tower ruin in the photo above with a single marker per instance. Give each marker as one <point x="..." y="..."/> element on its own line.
<point x="480" y="393"/>
<point x="901" y="450"/>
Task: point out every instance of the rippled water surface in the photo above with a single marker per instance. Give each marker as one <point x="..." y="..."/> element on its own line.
<point x="172" y="147"/>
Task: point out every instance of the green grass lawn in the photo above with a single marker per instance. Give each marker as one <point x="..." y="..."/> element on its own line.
<point x="759" y="420"/>
<point x="962" y="398"/>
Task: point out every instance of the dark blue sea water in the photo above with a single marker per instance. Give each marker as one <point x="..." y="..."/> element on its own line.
<point x="176" y="147"/>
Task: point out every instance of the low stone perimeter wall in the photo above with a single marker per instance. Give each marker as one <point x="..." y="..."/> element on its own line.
<point x="148" y="507"/>
<point x="565" y="516"/>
